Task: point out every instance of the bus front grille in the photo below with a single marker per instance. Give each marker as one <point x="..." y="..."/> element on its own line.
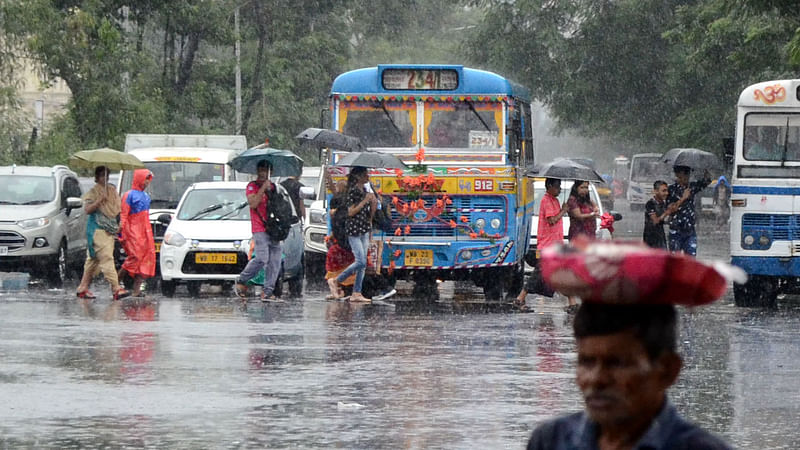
<point x="468" y="207"/>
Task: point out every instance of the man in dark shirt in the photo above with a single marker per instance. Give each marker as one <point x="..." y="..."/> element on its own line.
<point x="627" y="359"/>
<point x="655" y="213"/>
<point x="682" y="233"/>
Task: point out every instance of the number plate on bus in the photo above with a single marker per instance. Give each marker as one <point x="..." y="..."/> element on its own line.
<point x="215" y="258"/>
<point x="419" y="258"/>
<point x="3" y="250"/>
<point x="158" y="247"/>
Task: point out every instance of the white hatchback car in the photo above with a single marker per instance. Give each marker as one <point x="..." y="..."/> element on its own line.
<point x="208" y="240"/>
<point x="538" y="192"/>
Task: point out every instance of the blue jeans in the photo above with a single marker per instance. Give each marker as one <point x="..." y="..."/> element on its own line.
<point x="358" y="245"/>
<point x="683" y="241"/>
<point x="268" y="257"/>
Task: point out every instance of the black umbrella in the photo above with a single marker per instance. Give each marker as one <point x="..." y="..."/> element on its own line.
<point x="284" y="163"/>
<point x="566" y="169"/>
<point x="331" y="139"/>
<point x="691" y="157"/>
<point x="376" y="160"/>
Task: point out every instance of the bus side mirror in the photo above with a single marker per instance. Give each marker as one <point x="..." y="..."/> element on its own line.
<point x="727" y="147"/>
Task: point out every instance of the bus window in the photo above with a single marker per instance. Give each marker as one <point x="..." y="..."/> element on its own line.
<point x="766" y="134"/>
<point x="380" y="124"/>
<point x="459" y="126"/>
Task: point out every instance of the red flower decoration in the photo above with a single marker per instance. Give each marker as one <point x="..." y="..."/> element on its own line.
<point x="398" y="172"/>
<point x="420" y="156"/>
<point x="397" y="253"/>
<point x="473" y="235"/>
<point x="464" y="219"/>
<point x="398" y="231"/>
<point x="453" y="224"/>
<point x="408" y="229"/>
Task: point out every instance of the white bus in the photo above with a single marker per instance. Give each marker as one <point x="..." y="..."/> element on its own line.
<point x="765" y="199"/>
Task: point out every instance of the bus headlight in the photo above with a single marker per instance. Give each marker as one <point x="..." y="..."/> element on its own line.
<point x="749" y="239"/>
<point x="495" y="223"/>
<point x="480" y="223"/>
<point x="763" y="241"/>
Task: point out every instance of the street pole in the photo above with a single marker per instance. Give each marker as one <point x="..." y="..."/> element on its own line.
<point x="237" y="52"/>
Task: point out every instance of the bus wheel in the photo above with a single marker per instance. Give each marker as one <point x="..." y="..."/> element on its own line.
<point x="516" y="279"/>
<point x="494" y="285"/>
<point x="425" y="288"/>
<point x="759" y="291"/>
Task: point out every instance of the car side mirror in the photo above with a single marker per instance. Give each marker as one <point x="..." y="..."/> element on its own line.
<point x="617" y="216"/>
<point x="307" y="192"/>
<point x="164" y="219"/>
<point x="73" y="203"/>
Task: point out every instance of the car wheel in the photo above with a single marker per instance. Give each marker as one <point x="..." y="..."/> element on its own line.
<point x="194" y="288"/>
<point x="57" y="269"/>
<point x="168" y="288"/>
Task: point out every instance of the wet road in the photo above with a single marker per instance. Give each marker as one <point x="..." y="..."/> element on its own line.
<point x="206" y="373"/>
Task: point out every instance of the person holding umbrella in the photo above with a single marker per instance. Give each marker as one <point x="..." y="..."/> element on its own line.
<point x="682" y="233"/>
<point x="358" y="225"/>
<point x="102" y="204"/>
<point x="267" y="251"/>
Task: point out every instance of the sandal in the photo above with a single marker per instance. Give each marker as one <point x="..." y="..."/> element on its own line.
<point x="241" y="291"/>
<point x="121" y="293"/>
<point x="521" y="306"/>
<point x="87" y="294"/>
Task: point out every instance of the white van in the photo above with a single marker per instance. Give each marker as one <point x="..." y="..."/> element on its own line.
<point x="177" y="161"/>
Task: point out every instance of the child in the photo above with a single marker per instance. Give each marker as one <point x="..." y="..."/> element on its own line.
<point x="655" y="214"/>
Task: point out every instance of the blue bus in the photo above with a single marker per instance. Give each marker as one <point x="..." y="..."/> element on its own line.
<point x="462" y="208"/>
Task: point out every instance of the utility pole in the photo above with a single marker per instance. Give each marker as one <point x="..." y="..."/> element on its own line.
<point x="237" y="52"/>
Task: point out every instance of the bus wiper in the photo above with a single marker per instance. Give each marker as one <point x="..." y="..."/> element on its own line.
<point x="235" y="210"/>
<point x="389" y="116"/>
<point x="474" y="111"/>
<point x="207" y="210"/>
<point x="785" y="143"/>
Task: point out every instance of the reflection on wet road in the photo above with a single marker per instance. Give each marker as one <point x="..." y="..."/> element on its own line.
<point x="206" y="372"/>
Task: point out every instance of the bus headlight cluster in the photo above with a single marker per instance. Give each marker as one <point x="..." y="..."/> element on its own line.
<point x="495" y="223"/>
<point x="480" y="223"/>
<point x="763" y="241"/>
<point x="749" y="239"/>
<point x="757" y="241"/>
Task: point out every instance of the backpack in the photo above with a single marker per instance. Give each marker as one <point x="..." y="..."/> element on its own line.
<point x="280" y="215"/>
<point x="382" y="219"/>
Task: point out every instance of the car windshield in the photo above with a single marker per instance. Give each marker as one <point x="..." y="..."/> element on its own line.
<point x="170" y="180"/>
<point x="214" y="204"/>
<point x="26" y="190"/>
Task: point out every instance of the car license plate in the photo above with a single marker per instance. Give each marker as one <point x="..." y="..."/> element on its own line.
<point x="158" y="247"/>
<point x="215" y="258"/>
<point x="418" y="258"/>
<point x="3" y="250"/>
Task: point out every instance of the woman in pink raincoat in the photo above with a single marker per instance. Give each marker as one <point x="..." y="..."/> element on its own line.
<point x="137" y="233"/>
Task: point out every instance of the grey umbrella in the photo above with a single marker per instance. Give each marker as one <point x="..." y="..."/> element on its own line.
<point x="331" y="139"/>
<point x="284" y="163"/>
<point x="375" y="160"/>
<point x="691" y="157"/>
<point x="566" y="169"/>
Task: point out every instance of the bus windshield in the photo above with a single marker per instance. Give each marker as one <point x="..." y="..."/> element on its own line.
<point x="648" y="168"/>
<point x="447" y="125"/>
<point x="771" y="137"/>
<point x="170" y="180"/>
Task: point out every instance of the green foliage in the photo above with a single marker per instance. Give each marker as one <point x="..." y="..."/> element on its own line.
<point x="662" y="73"/>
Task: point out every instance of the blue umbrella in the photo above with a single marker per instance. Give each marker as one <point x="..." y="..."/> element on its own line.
<point x="284" y="163"/>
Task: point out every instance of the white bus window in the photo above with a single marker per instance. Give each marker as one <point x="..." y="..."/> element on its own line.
<point x="767" y="137"/>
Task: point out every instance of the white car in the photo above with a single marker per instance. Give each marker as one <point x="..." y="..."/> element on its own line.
<point x="208" y="240"/>
<point x="314" y="231"/>
<point x="538" y="192"/>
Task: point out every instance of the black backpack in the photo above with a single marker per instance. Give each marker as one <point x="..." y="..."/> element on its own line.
<point x="382" y="219"/>
<point x="280" y="216"/>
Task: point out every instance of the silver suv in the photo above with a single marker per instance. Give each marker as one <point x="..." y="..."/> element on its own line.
<point x="42" y="222"/>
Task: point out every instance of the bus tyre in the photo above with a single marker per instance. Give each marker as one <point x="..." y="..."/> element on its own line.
<point x="758" y="292"/>
<point x="494" y="285"/>
<point x="516" y="279"/>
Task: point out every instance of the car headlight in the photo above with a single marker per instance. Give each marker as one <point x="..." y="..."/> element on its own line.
<point x="317" y="216"/>
<point x="174" y="238"/>
<point x="495" y="223"/>
<point x="34" y="223"/>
